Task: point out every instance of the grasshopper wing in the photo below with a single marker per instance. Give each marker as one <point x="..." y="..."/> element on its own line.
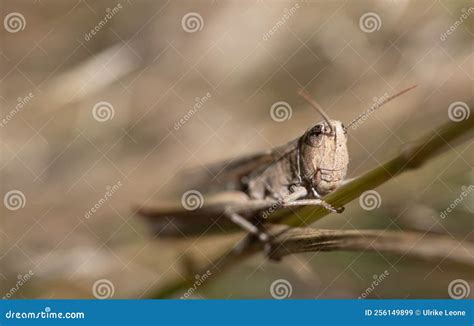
<point x="178" y="219"/>
<point x="229" y="174"/>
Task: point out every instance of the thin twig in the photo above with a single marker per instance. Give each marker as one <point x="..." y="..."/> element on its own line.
<point x="427" y="246"/>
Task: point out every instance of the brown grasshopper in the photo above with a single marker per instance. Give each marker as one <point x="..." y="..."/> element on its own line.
<point x="298" y="173"/>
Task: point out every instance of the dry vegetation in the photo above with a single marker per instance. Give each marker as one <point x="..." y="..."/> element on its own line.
<point x="151" y="71"/>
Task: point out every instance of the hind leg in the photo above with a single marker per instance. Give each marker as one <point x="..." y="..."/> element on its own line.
<point x="245" y="224"/>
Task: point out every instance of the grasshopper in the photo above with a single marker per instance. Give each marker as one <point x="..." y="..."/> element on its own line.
<point x="298" y="173"/>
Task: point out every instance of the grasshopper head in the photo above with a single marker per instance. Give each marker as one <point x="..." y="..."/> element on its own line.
<point x="324" y="156"/>
<point x="323" y="149"/>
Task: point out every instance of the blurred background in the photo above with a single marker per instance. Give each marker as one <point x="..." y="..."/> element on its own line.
<point x="95" y="105"/>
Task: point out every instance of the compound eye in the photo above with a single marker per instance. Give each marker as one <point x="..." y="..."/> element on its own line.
<point x="316" y="130"/>
<point x="344" y="128"/>
<point x="314" y="136"/>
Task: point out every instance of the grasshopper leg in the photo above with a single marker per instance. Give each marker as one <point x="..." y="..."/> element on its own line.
<point x="298" y="192"/>
<point x="316" y="202"/>
<point x="254" y="232"/>
<point x="268" y="245"/>
<point x="246" y="225"/>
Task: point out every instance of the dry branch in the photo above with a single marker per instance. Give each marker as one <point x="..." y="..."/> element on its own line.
<point x="427" y="246"/>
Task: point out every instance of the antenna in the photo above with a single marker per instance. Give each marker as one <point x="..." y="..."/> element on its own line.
<point x="315" y="105"/>
<point x="379" y="105"/>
